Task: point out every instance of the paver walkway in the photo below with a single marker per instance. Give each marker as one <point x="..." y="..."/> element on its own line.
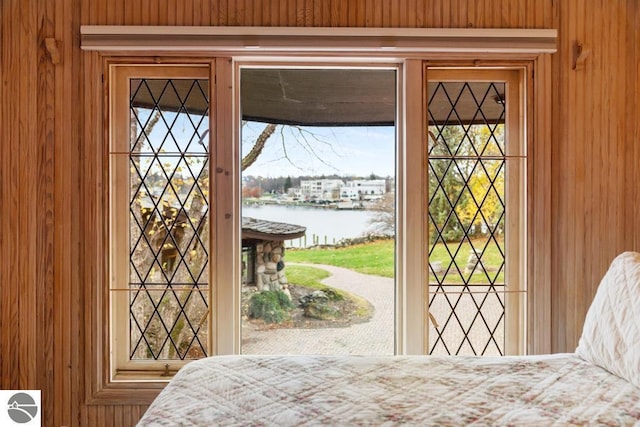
<point x="375" y="337"/>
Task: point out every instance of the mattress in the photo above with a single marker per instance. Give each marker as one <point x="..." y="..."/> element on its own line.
<point x="558" y="389"/>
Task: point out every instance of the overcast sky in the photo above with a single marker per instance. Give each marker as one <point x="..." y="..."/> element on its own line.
<point x="357" y="151"/>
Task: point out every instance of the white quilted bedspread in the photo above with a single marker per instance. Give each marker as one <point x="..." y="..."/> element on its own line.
<point x="394" y="390"/>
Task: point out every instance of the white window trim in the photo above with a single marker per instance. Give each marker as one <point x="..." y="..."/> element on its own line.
<point x="409" y="322"/>
<point x="107" y="38"/>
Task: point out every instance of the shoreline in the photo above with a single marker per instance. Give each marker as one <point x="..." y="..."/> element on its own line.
<point x="355" y="206"/>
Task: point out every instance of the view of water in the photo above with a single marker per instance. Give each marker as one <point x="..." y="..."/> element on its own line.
<point x="329" y="224"/>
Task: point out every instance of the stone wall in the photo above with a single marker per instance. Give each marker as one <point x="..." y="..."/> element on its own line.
<point x="269" y="265"/>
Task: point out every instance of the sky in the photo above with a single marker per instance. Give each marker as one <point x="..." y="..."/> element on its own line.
<point x="354" y="151"/>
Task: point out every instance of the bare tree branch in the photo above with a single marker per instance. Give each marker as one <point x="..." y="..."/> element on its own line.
<point x="284" y="149"/>
<point x="257" y="148"/>
<point x="383" y="220"/>
<point x="151" y="123"/>
<point x="303" y="141"/>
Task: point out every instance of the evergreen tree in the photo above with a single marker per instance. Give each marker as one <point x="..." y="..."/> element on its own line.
<point x="287" y="184"/>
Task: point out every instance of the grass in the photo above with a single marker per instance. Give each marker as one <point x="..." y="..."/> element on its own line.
<point x="375" y="258"/>
<point x="311" y="277"/>
<point x="491" y="259"/>
<point x="378" y="258"/>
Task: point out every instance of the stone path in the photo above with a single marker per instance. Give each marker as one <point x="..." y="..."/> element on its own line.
<point x="375" y="337"/>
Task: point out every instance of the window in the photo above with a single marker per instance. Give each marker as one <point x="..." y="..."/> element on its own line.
<point x="476" y="212"/>
<point x="160" y="218"/>
<point x="169" y="231"/>
<point x="338" y="121"/>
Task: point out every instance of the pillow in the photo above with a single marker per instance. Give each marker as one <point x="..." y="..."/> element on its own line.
<point x="611" y="334"/>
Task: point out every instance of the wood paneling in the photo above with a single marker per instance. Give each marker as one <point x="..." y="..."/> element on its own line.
<point x="328" y="13"/>
<point x="39" y="136"/>
<point x="632" y="130"/>
<point x="112" y="415"/>
<point x="45" y="318"/>
<point x="45" y="278"/>
<point x="594" y="155"/>
<point x="27" y="203"/>
<point x="632" y="118"/>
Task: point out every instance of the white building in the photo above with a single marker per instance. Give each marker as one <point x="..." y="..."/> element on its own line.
<point x="294" y="192"/>
<point x="321" y="189"/>
<point x="363" y="189"/>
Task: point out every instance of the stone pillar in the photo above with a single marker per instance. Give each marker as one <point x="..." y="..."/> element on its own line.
<point x="270" y="267"/>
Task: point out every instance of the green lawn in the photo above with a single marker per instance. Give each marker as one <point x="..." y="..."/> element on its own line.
<point x="377" y="258"/>
<point x="491" y="260"/>
<point x="309" y="277"/>
<point x="372" y="258"/>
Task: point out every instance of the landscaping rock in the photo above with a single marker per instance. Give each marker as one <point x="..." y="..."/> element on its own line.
<point x="472" y="262"/>
<point x="315" y="297"/>
<point x="332" y="294"/>
<point x="316" y="306"/>
<point x="321" y="311"/>
<point x="436" y="266"/>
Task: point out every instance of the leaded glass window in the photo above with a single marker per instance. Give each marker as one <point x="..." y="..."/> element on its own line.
<point x="160" y="224"/>
<point x="475" y="223"/>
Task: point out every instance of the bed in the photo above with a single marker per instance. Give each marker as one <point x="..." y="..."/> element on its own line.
<point x="599" y="384"/>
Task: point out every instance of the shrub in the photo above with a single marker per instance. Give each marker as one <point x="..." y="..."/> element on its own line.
<point x="270" y="306"/>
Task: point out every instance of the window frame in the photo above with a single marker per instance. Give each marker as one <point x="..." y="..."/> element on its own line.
<point x="516" y="174"/>
<point x="402" y="336"/>
<point x="94" y="266"/>
<point x="122" y="368"/>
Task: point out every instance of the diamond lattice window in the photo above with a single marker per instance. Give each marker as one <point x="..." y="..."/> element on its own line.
<point x="168" y="219"/>
<point x="468" y="207"/>
<point x="160" y="187"/>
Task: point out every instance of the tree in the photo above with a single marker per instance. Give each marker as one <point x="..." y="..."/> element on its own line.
<point x="465" y="193"/>
<point x="168" y="236"/>
<point x="287" y="184"/>
<point x="289" y="135"/>
<point x="383" y="221"/>
<point x="251" y="192"/>
<point x="258" y="146"/>
<point x="445" y="186"/>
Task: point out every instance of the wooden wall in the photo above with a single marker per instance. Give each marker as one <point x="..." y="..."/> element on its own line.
<point x="595" y="157"/>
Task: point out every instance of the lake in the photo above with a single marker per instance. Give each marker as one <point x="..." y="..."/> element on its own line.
<point x="331" y="224"/>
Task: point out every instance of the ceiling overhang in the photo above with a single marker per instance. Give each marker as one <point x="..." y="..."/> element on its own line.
<point x="319" y="97"/>
<point x="329" y="97"/>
